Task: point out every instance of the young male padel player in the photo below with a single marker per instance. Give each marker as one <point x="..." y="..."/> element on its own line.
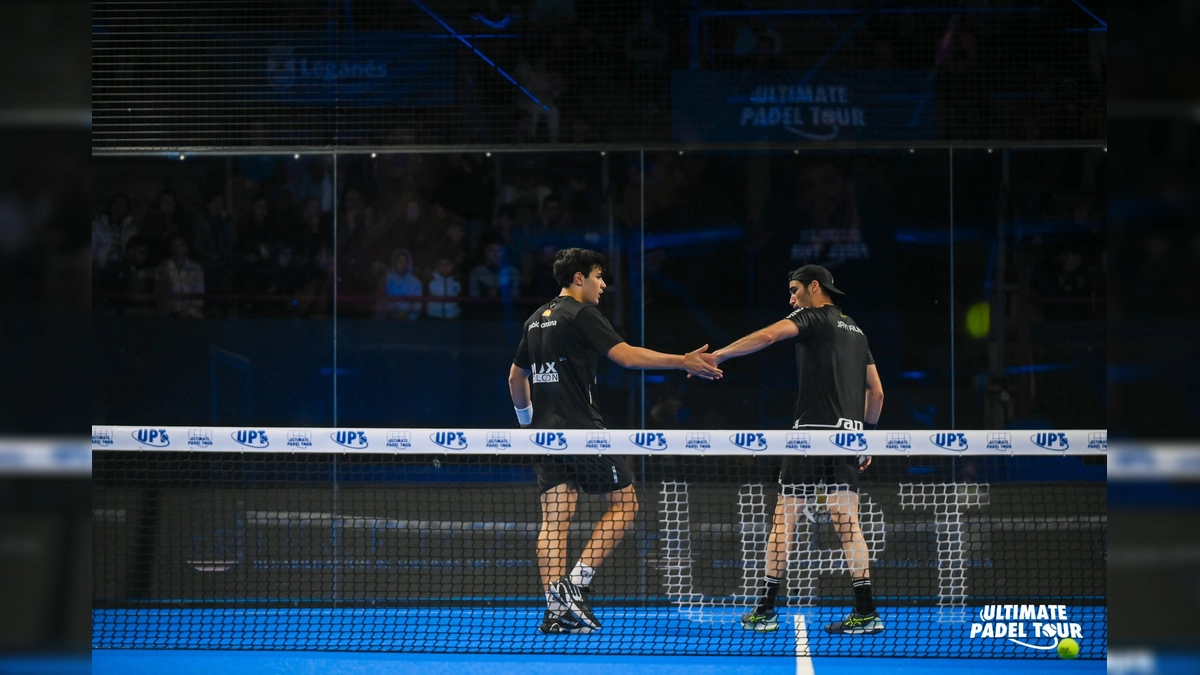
<point x="560" y="349"/>
<point x="839" y="388"/>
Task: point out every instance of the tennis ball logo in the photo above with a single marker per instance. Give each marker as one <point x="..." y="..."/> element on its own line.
<point x="1068" y="648"/>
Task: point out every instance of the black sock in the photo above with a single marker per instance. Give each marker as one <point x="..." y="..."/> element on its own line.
<point x="772" y="590"/>
<point x="863" y="604"/>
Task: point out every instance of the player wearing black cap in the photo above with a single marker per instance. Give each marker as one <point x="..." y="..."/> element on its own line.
<point x="839" y="389"/>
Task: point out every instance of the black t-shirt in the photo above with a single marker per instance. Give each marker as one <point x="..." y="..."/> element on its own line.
<point x="562" y="344"/>
<point x="831" y="365"/>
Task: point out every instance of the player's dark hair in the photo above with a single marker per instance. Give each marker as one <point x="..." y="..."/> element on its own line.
<point x="572" y="260"/>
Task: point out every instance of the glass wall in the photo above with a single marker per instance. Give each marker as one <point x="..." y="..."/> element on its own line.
<point x="380" y="289"/>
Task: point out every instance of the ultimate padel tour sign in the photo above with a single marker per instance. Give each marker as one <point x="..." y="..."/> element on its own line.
<point x="792" y="106"/>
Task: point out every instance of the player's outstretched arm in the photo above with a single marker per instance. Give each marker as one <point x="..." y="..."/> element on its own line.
<point x="783" y="329"/>
<point x="696" y="362"/>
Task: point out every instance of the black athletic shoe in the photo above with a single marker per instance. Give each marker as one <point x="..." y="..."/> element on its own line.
<point x="761" y="620"/>
<point x="568" y="596"/>
<point x="557" y="624"/>
<point x="857" y="624"/>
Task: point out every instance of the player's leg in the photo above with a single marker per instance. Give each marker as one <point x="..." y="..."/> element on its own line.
<point x="780" y="540"/>
<point x="558" y="500"/>
<point x="558" y="508"/>
<point x="843" y="503"/>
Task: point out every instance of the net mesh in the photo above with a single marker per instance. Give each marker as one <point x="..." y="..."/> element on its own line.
<point x="312" y="73"/>
<point x="410" y="552"/>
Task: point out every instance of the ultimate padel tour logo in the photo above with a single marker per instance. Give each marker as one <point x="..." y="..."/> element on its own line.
<point x="451" y="440"/>
<point x="399" y="440"/>
<point x="598" y="440"/>
<point x="1000" y="441"/>
<point x="300" y="438"/>
<point x="698" y="440"/>
<point x="155" y="438"/>
<point x="898" y="441"/>
<point x="1051" y="440"/>
<point x="102" y="437"/>
<point x="750" y="440"/>
<point x="799" y="442"/>
<point x="551" y="440"/>
<point x="200" y="438"/>
<point x="350" y="438"/>
<point x="849" y="441"/>
<point x="1033" y="626"/>
<point x="950" y="440"/>
<point x="650" y="440"/>
<point x="1098" y="440"/>
<point x="251" y="438"/>
<point x="499" y="440"/>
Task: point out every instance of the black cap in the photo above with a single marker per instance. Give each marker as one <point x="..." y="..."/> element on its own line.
<point x="815" y="272"/>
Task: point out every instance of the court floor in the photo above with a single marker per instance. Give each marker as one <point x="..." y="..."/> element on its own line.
<point x="475" y="640"/>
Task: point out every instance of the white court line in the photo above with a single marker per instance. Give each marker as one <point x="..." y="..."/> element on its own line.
<point x="804" y="665"/>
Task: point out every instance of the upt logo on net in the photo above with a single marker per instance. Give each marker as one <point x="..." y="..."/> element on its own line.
<point x="251" y="438"/>
<point x="451" y="440"/>
<point x="551" y="440"/>
<point x="156" y="438"/>
<point x="1051" y="440"/>
<point x="649" y="440"/>
<point x="950" y="440"/>
<point x="1035" y="623"/>
<point x="849" y="441"/>
<point x="354" y="439"/>
<point x="750" y="440"/>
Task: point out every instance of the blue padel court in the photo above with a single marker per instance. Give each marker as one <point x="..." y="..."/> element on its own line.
<point x="471" y="640"/>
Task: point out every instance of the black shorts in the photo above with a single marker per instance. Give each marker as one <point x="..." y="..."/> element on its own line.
<point x="589" y="474"/>
<point x="835" y="470"/>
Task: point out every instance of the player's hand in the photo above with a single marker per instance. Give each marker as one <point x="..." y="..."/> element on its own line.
<point x="863" y="463"/>
<point x="700" y="364"/>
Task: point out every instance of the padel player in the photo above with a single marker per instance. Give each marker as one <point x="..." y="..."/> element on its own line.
<point x="560" y="348"/>
<point x="839" y="389"/>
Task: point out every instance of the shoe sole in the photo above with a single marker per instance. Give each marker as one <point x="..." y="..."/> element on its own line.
<point x="855" y="631"/>
<point x="761" y="627"/>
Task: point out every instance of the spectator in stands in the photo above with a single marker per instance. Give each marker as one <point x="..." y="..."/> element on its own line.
<point x="494" y="278"/>
<point x="400" y="282"/>
<point x="314" y="299"/>
<point x="111" y="232"/>
<point x="552" y="218"/>
<point x="645" y="44"/>
<point x="138" y="277"/>
<point x="216" y="235"/>
<point x="444" y="284"/>
<point x="178" y="283"/>
<point x="541" y="277"/>
<point x="284" y="281"/>
<point x="315" y="231"/>
<point x="357" y="253"/>
<point x="162" y="224"/>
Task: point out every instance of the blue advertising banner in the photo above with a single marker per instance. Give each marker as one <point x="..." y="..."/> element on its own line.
<point x="363" y="69"/>
<point x="783" y="106"/>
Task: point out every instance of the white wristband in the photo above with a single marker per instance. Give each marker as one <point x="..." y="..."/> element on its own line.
<point x="525" y="415"/>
